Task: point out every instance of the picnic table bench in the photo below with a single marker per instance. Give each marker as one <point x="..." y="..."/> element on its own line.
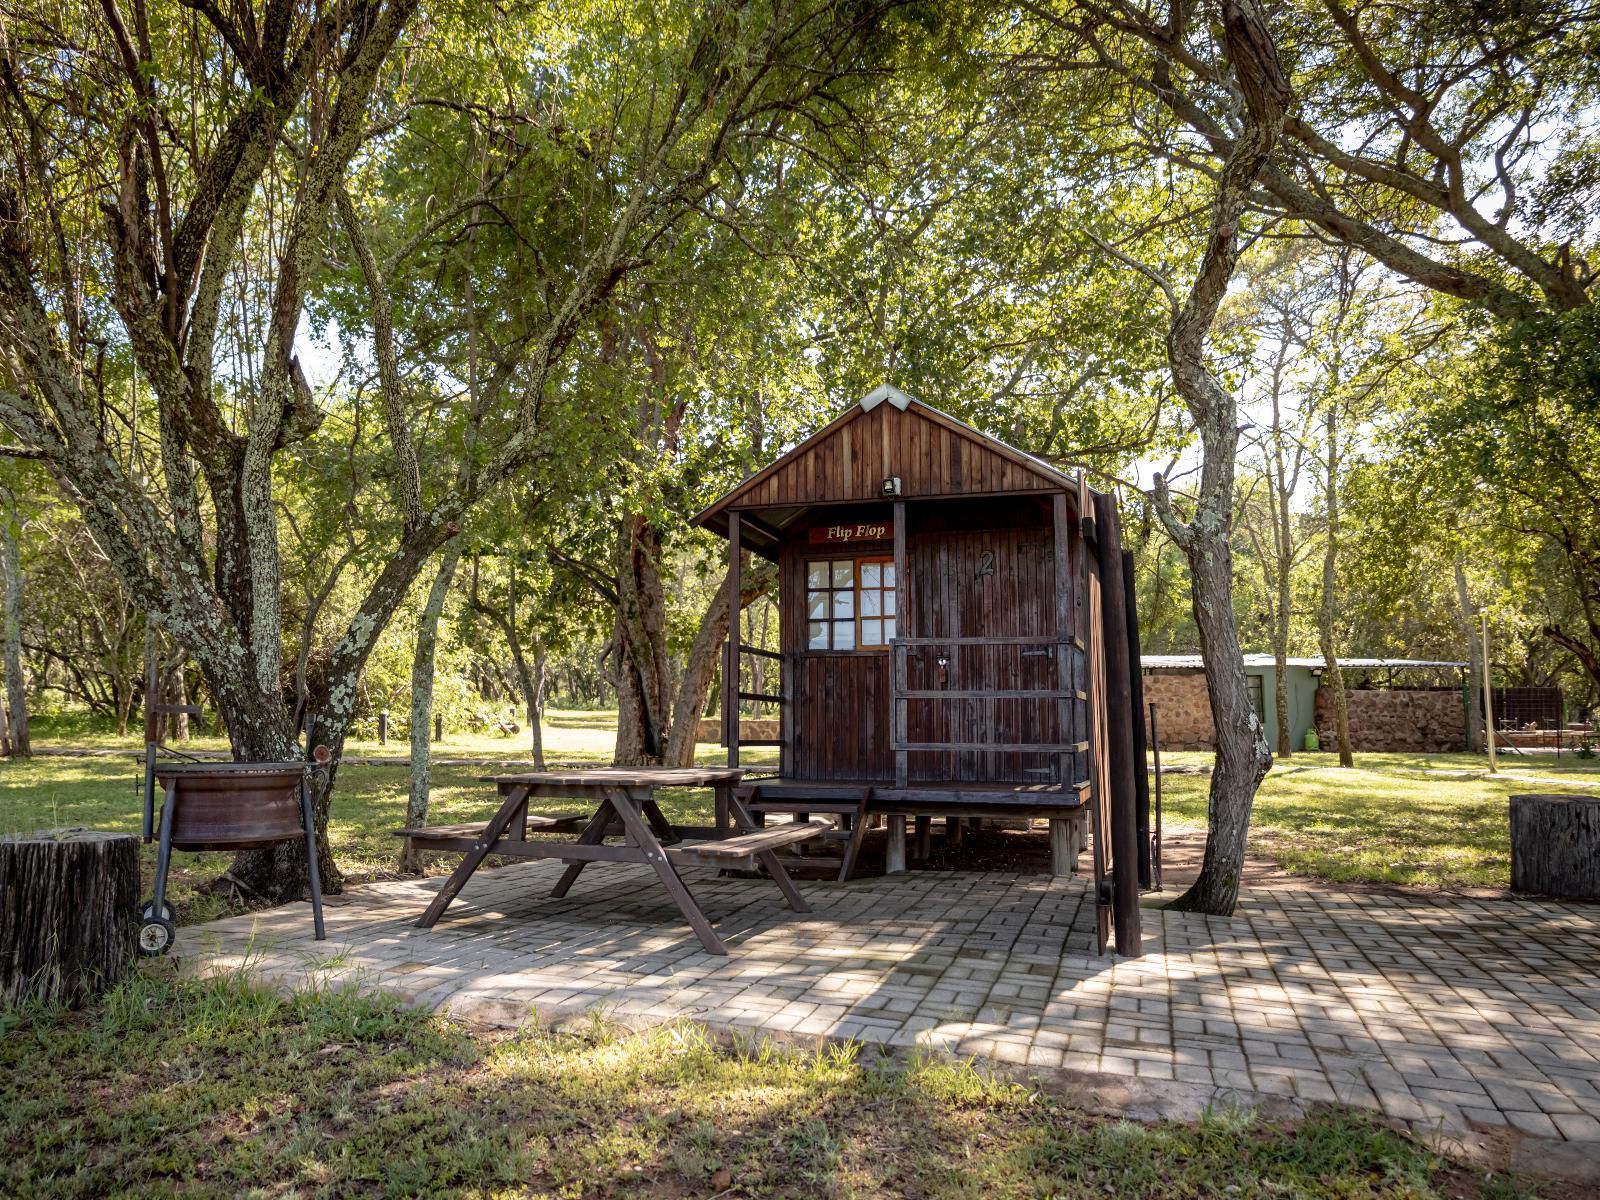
<point x="625" y="806"/>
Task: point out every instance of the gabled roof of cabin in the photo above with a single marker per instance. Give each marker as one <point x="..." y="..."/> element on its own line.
<point x="888" y="433"/>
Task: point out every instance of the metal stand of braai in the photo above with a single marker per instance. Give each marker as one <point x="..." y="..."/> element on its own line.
<point x="217" y="806"/>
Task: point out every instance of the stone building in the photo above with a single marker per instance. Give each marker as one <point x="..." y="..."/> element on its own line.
<point x="1395" y="704"/>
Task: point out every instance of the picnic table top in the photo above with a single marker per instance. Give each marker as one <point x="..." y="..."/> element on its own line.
<point x="626" y="777"/>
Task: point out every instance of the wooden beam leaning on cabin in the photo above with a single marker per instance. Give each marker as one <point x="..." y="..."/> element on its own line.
<point x="732" y="668"/>
<point x="1120" y="717"/>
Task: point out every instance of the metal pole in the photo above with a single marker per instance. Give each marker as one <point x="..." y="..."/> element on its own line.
<point x="1488" y="694"/>
<point x="1155" y="843"/>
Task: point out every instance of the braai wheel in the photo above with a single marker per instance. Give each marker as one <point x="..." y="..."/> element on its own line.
<point x="156" y="936"/>
<point x="148" y="910"/>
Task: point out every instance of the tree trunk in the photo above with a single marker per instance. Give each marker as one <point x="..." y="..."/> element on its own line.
<point x="1330" y="580"/>
<point x="123" y="694"/>
<point x="541" y="674"/>
<point x="16" y="681"/>
<point x="1466" y="623"/>
<point x="1242" y="756"/>
<point x="643" y="673"/>
<point x="68" y="914"/>
<point x="698" y="673"/>
<point x="1280" y="699"/>
<point x="178" y="693"/>
<point x="422" y="661"/>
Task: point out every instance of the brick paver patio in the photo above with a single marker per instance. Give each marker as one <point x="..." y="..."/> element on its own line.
<point x="1452" y="1015"/>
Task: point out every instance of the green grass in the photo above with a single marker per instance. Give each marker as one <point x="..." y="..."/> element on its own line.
<point x="1435" y="820"/>
<point x="223" y="1088"/>
<point x="1431" y="820"/>
<point x="570" y="735"/>
<point x="369" y="800"/>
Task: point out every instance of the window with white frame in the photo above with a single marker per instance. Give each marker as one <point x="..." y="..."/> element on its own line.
<point x="850" y="603"/>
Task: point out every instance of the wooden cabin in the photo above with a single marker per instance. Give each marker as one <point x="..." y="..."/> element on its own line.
<point x="954" y="640"/>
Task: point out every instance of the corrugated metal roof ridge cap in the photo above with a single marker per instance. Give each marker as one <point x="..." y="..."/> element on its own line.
<point x="1267" y="660"/>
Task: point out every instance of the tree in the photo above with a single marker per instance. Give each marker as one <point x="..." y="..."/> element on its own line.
<point x="1420" y="137"/>
<point x="1242" y="755"/>
<point x="216" y="190"/>
<point x="16" y="682"/>
<point x="1507" y="434"/>
<point x="421" y="727"/>
<point x="1284" y="446"/>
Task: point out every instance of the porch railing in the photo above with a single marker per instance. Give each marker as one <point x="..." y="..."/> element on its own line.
<point x="1063" y="694"/>
<point x="734" y="653"/>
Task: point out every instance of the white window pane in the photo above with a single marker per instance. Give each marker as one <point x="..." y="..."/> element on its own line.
<point x="844" y="604"/>
<point x="888" y="604"/>
<point x="816" y="605"/>
<point x="817" y="635"/>
<point x="888" y="575"/>
<point x="844" y="635"/>
<point x="816" y="575"/>
<point x="888" y="632"/>
<point x="870" y="602"/>
<point x="844" y="573"/>
<point x="872" y="633"/>
<point x="870" y="574"/>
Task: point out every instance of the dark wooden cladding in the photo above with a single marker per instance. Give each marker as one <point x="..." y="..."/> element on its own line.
<point x="986" y="572"/>
<point x="842" y="718"/>
<point x="929" y="456"/>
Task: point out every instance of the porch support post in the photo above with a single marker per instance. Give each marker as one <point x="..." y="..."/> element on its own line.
<point x="730" y="670"/>
<point x="1063" y="854"/>
<point x="895" y="860"/>
<point x="897" y="664"/>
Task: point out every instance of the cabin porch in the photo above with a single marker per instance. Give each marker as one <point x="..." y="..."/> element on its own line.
<point x="902" y="818"/>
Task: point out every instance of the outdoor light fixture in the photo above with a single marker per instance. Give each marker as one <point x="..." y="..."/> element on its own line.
<point x="891" y="486"/>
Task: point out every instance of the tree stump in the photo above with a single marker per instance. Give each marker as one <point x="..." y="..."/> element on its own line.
<point x="69" y="903"/>
<point x="1555" y="846"/>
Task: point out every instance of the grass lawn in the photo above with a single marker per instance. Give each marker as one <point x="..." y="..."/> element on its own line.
<point x="221" y="1088"/>
<point x="369" y="800"/>
<point x="1433" y="820"/>
<point x="570" y="735"/>
<point x="1438" y="820"/>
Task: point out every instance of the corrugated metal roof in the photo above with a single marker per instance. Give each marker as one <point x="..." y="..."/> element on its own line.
<point x="1193" y="661"/>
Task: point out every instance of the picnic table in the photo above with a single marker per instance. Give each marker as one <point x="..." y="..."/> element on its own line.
<point x="625" y="806"/>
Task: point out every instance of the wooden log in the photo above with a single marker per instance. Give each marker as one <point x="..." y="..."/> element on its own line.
<point x="1555" y="846"/>
<point x="69" y="901"/>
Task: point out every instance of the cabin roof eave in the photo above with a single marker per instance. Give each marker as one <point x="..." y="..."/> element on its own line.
<point x="715" y="515"/>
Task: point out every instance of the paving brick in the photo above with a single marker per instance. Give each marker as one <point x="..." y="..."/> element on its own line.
<point x="1446" y="1013"/>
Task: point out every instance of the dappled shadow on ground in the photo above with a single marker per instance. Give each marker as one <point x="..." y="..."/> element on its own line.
<point x="221" y="1088"/>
